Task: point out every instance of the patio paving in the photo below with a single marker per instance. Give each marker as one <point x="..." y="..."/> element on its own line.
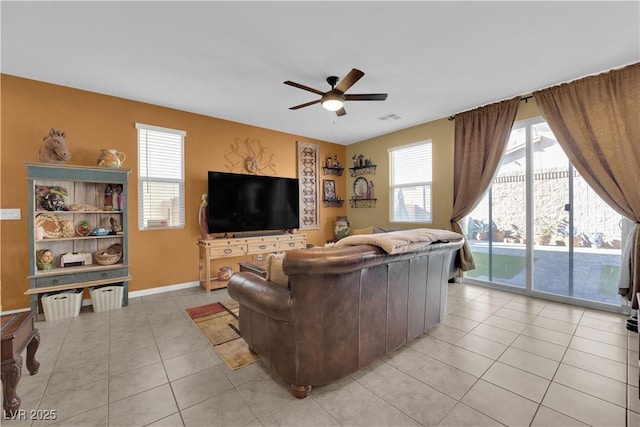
<point x="595" y="270"/>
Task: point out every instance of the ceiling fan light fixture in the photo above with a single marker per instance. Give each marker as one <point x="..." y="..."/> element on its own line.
<point x="332" y="101"/>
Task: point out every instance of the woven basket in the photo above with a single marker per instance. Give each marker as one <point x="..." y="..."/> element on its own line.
<point x="108" y="258"/>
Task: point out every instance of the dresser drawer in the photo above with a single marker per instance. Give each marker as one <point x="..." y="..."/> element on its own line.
<point x="263" y="247"/>
<point x="227" y="251"/>
<point x="291" y="244"/>
<point x="64" y="279"/>
<point x="107" y="274"/>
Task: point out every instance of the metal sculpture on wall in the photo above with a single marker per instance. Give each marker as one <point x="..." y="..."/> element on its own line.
<point x="308" y="156"/>
<point x="250" y="156"/>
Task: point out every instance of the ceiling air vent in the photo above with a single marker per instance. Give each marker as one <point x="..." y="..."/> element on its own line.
<point x="390" y="116"/>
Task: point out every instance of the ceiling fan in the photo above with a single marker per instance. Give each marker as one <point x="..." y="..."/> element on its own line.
<point x="334" y="99"/>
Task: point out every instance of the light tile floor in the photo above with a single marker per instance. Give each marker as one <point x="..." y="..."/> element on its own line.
<point x="497" y="359"/>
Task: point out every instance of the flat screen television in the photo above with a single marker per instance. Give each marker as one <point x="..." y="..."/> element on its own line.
<point x="241" y="203"/>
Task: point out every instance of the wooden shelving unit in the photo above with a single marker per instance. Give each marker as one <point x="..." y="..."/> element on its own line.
<point x="86" y="187"/>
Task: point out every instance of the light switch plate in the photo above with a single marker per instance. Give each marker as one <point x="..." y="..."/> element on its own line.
<point x="9" y="214"/>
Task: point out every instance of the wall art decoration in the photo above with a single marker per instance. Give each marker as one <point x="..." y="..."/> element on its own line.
<point x="308" y="157"/>
<point x="329" y="189"/>
<point x="250" y="156"/>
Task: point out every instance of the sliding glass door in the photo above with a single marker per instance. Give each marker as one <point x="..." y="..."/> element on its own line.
<point x="496" y="229"/>
<point x="541" y="228"/>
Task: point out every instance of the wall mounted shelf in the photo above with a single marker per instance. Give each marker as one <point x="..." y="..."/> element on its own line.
<point x="362" y="170"/>
<point x="332" y="171"/>
<point x="362" y="203"/>
<point x="335" y="203"/>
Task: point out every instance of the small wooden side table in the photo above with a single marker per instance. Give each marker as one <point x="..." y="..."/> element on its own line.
<point x="18" y="332"/>
<point x="255" y="267"/>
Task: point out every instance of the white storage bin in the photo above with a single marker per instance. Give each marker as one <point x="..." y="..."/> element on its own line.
<point x="62" y="305"/>
<point x="106" y="297"/>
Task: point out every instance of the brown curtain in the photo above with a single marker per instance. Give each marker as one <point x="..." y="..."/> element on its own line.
<point x="596" y="120"/>
<point x="480" y="140"/>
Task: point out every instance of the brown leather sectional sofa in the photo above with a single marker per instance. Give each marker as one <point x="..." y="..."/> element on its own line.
<point x="344" y="307"/>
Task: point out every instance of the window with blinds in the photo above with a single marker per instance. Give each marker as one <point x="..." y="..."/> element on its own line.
<point x="410" y="190"/>
<point x="160" y="177"/>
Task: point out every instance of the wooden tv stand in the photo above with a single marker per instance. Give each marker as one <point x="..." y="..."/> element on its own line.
<point x="236" y="247"/>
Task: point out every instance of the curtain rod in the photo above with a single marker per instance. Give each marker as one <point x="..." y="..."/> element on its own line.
<point x="522" y="98"/>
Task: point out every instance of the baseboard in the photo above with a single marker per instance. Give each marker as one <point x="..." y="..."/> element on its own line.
<point x="163" y="289"/>
<point x="17" y="310"/>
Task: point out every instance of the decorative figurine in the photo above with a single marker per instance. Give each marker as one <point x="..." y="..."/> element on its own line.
<point x="54" y="148"/>
<point x="51" y="198"/>
<point x="108" y="198"/>
<point x="115" y="227"/>
<point x="119" y="197"/>
<point x="202" y="219"/>
<point x="44" y="259"/>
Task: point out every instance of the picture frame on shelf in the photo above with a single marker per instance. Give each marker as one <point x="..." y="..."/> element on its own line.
<point x="329" y="186"/>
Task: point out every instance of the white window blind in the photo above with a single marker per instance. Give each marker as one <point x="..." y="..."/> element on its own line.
<point x="410" y="189"/>
<point x="160" y="177"/>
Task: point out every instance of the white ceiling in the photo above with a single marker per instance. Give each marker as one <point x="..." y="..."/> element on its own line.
<point x="230" y="59"/>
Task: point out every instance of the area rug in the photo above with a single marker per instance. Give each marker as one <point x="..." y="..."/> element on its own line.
<point x="218" y="322"/>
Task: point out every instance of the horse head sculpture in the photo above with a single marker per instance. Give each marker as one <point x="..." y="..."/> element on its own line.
<point x="54" y="148"/>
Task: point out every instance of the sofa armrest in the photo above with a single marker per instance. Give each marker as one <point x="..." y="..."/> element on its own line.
<point x="261" y="295"/>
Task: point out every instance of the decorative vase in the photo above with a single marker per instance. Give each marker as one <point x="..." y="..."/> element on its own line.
<point x="341" y="227"/>
<point x="83" y="229"/>
<point x="482" y="235"/>
<point x="542" y="239"/>
<point x="225" y="273"/>
<point x="110" y="158"/>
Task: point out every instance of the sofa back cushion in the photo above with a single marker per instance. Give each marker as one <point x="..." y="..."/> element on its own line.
<point x="274" y="270"/>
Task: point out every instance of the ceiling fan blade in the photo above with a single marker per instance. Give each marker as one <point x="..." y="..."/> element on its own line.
<point x="304" y="105"/>
<point x="341" y="112"/>
<point x="349" y="80"/>
<point x="366" y="97"/>
<point x="303" y="87"/>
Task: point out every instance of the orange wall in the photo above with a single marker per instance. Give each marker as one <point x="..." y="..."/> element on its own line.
<point x="92" y="122"/>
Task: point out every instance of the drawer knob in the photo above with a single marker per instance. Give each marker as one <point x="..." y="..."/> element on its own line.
<point x="291" y="244"/>
<point x="228" y="251"/>
<point x="104" y="274"/>
<point x="54" y="281"/>
<point x="263" y="246"/>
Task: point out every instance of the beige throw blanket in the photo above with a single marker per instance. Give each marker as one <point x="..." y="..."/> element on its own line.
<point x="397" y="242"/>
